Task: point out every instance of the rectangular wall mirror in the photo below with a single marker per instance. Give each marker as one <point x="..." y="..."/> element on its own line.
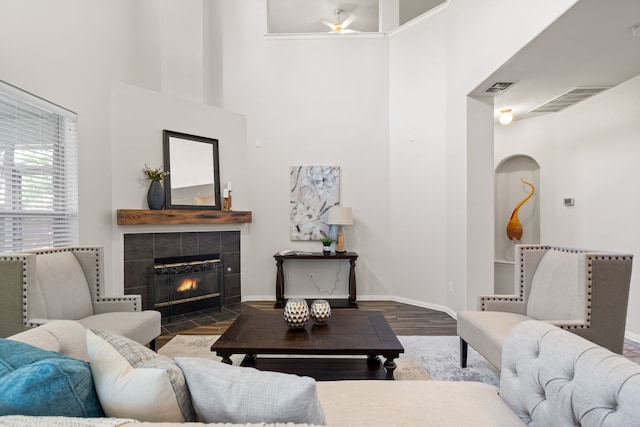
<point x="194" y="174"/>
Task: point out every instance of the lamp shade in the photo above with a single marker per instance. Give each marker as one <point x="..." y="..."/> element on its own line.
<point x="340" y="216"/>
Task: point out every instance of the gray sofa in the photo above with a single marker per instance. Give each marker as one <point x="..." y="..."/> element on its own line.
<point x="549" y="377"/>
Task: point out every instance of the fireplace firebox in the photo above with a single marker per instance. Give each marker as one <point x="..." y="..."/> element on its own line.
<point x="186" y="284"/>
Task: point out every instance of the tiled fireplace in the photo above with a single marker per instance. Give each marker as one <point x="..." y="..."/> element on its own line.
<point x="142" y="251"/>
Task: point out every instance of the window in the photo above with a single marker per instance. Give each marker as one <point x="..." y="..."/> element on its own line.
<point x="38" y="172"/>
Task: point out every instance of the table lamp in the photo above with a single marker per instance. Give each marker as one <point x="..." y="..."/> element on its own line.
<point x="340" y="216"/>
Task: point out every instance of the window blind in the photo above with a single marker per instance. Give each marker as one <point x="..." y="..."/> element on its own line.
<point x="38" y="172"/>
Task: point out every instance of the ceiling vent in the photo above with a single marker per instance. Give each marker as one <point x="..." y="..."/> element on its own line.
<point x="568" y="99"/>
<point x="498" y="88"/>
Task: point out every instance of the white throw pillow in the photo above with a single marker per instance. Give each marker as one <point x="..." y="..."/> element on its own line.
<point x="135" y="382"/>
<point x="558" y="287"/>
<point x="223" y="393"/>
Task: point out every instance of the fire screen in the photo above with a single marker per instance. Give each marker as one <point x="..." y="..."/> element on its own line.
<point x="183" y="285"/>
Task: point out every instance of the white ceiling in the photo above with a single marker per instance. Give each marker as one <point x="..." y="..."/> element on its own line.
<point x="306" y="16"/>
<point x="590" y="45"/>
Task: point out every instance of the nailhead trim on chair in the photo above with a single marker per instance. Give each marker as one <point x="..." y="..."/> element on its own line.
<point x="25" y="319"/>
<point x="555" y="248"/>
<point x="98" y="283"/>
<point x="24" y="291"/>
<point x="23" y="260"/>
<point x="99" y="298"/>
<point x="519" y="298"/>
<point x="589" y="260"/>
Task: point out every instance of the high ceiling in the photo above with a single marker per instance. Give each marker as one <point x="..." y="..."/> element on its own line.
<point x="306" y="16"/>
<point x="590" y="45"/>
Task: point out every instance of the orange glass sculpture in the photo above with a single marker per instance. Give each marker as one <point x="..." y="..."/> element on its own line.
<point x="514" y="228"/>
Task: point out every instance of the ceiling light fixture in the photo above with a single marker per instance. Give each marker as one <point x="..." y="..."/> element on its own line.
<point x="506" y="116"/>
<point x="339" y="26"/>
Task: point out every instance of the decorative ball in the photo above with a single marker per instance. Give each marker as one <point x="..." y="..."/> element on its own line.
<point x="296" y="313"/>
<point x="320" y="311"/>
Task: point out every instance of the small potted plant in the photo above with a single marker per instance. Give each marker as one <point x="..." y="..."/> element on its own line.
<point x="326" y="245"/>
<point x="156" y="174"/>
<point x="155" y="195"/>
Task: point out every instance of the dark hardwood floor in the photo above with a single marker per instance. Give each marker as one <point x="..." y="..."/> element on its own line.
<point x="404" y="319"/>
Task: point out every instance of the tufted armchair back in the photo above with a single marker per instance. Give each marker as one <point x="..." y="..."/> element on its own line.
<point x="550" y="377"/>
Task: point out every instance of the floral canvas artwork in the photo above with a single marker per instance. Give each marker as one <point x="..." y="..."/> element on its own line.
<point x="314" y="189"/>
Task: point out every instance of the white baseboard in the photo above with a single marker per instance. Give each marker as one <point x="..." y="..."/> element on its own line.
<point x="408" y="301"/>
<point x="258" y="298"/>
<point x="632" y="337"/>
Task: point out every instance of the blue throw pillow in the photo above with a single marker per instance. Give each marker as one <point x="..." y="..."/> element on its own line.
<point x="40" y="382"/>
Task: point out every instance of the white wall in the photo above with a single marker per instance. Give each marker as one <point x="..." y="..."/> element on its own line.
<point x="182" y="48"/>
<point x="589" y="152"/>
<point x="417" y="147"/>
<point x="320" y="101"/>
<point x="482" y="35"/>
<point x="69" y="52"/>
<point x="355" y="103"/>
<point x="442" y="201"/>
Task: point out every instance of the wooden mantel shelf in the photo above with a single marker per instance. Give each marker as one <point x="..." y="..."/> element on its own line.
<point x="181" y="216"/>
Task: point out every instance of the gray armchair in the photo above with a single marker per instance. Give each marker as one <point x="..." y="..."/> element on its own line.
<point x="67" y="283"/>
<point x="585" y="292"/>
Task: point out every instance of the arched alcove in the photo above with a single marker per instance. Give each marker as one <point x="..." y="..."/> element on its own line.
<point x="509" y="191"/>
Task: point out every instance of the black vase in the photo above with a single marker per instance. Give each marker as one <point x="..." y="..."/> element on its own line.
<point x="155" y="196"/>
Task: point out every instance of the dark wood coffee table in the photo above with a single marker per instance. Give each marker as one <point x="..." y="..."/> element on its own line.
<point x="348" y="333"/>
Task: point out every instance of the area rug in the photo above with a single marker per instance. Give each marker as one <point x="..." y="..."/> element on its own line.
<point x="425" y="357"/>
<point x="440" y="356"/>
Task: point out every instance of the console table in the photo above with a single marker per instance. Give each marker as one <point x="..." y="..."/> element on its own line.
<point x="351" y="256"/>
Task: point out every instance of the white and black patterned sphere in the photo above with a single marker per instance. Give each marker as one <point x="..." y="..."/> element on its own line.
<point x="296" y="313"/>
<point x="320" y="311"/>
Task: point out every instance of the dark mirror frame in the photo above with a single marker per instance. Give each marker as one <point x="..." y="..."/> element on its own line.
<point x="167" y="136"/>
